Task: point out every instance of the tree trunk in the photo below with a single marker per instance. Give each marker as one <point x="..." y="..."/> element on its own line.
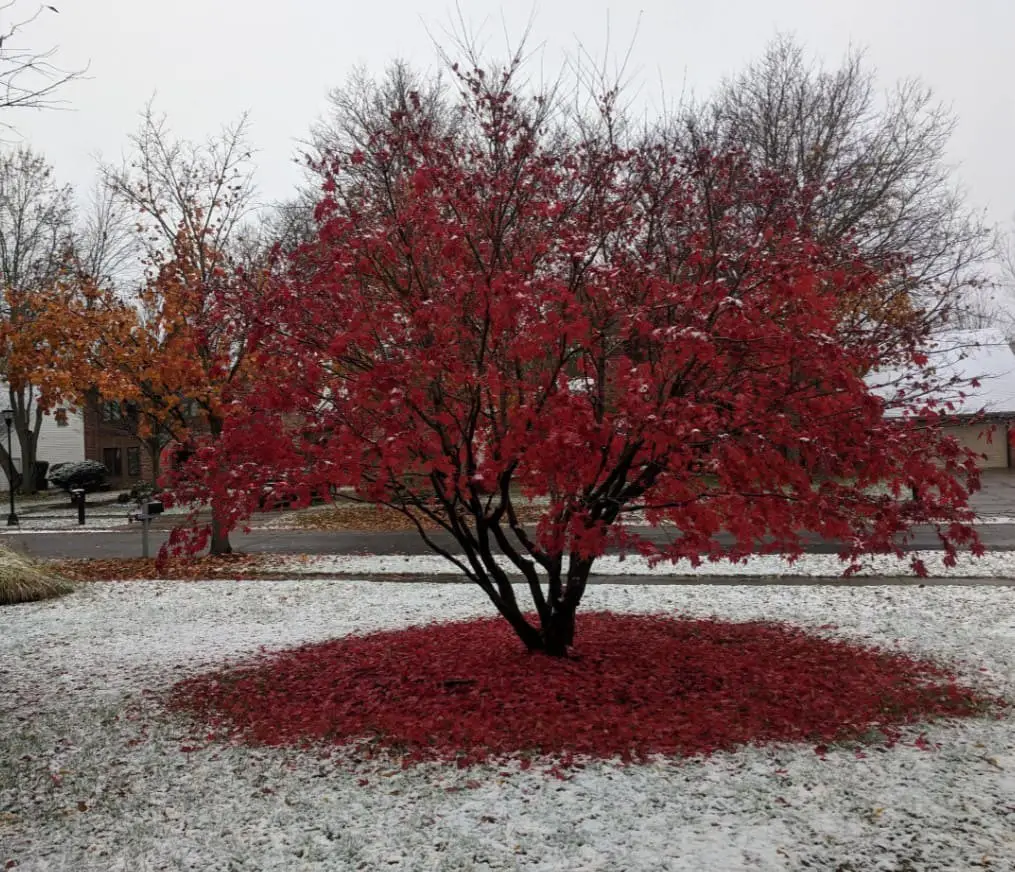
<point x="558" y="632"/>
<point x="27" y="423"/>
<point x="219" y="535"/>
<point x="557" y="629"/>
<point x="29" y="452"/>
<point x="554" y="635"/>
<point x="155" y="455"/>
<point x="28" y="485"/>
<point x="530" y="636"/>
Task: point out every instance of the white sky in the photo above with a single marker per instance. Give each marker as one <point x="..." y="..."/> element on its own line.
<point x="208" y="60"/>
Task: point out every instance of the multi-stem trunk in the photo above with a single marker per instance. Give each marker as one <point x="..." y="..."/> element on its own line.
<point x="555" y="632"/>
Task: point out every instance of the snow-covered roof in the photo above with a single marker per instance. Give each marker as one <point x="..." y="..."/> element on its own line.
<point x="958" y="358"/>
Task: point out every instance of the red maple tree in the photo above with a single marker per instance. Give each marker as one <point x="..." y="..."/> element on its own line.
<point x="526" y="306"/>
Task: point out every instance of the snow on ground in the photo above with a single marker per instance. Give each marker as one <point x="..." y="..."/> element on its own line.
<point x="994" y="564"/>
<point x="57" y="515"/>
<point x="24" y="529"/>
<point x="95" y="778"/>
<point x="288" y="521"/>
<point x="67" y="525"/>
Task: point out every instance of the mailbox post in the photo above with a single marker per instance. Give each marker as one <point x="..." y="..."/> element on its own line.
<point x="146" y="509"/>
<point x="78" y="495"/>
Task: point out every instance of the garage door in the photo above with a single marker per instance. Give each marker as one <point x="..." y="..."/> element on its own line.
<point x="974" y="436"/>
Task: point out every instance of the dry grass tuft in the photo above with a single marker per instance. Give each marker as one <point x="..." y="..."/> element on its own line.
<point x="24" y="581"/>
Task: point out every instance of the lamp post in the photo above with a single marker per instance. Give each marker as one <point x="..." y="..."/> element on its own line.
<point x="12" y="518"/>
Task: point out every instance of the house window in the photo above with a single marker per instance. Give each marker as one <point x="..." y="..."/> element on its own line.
<point x="113" y="460"/>
<point x="111" y="411"/>
<point x="134" y="461"/>
<point x="61" y="417"/>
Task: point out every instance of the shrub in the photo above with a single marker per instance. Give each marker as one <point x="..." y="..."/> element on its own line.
<point x="141" y="491"/>
<point x="87" y="474"/>
<point x="23" y="581"/>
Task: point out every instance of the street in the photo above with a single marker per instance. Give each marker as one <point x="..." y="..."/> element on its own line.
<point x="61" y="544"/>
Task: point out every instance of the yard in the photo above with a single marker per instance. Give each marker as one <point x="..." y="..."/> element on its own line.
<point x="99" y="775"/>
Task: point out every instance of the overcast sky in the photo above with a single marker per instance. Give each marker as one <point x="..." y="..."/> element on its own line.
<point x="209" y="60"/>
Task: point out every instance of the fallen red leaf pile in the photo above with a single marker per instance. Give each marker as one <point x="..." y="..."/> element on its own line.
<point x="637" y="685"/>
<point x="233" y="566"/>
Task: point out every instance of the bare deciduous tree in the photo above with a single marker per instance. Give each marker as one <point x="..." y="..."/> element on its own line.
<point x="878" y="161"/>
<point x="365" y="108"/>
<point x="994" y="306"/>
<point x="983" y="308"/>
<point x="361" y="113"/>
<point x="106" y="246"/>
<point x="204" y="190"/>
<point x="291" y="223"/>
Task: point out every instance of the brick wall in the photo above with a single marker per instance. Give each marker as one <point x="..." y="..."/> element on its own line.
<point x="104" y="438"/>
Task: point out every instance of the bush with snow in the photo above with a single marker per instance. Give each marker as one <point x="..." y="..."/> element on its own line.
<point x="87" y="474"/>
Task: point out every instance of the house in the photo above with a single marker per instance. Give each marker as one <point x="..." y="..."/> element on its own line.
<point x="981" y="417"/>
<point x="108" y="437"/>
<point x="99" y="431"/>
<point x="61" y="437"/>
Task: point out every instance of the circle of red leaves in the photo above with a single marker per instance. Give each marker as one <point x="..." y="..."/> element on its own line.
<point x="636" y="685"/>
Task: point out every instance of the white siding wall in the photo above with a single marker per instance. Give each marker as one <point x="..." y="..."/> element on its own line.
<point x="57" y="444"/>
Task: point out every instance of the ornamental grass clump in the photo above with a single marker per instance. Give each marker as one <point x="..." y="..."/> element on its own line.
<point x="23" y="580"/>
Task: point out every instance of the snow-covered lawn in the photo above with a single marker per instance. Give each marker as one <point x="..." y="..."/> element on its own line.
<point x="98" y="519"/>
<point x="103" y="518"/>
<point x="94" y="776"/>
<point x="290" y="520"/>
<point x="65" y="525"/>
<point x="994" y="564"/>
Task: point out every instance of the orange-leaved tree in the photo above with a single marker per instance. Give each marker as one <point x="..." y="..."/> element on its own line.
<point x="182" y="359"/>
<point x="52" y="273"/>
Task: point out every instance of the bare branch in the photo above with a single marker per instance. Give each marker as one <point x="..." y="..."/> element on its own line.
<point x="877" y="163"/>
<point x="28" y="78"/>
<point x="203" y="190"/>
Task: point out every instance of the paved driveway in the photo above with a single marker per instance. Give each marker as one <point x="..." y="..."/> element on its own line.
<point x="998" y="494"/>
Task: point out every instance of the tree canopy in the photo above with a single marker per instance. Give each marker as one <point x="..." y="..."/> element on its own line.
<point x="527" y="305"/>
